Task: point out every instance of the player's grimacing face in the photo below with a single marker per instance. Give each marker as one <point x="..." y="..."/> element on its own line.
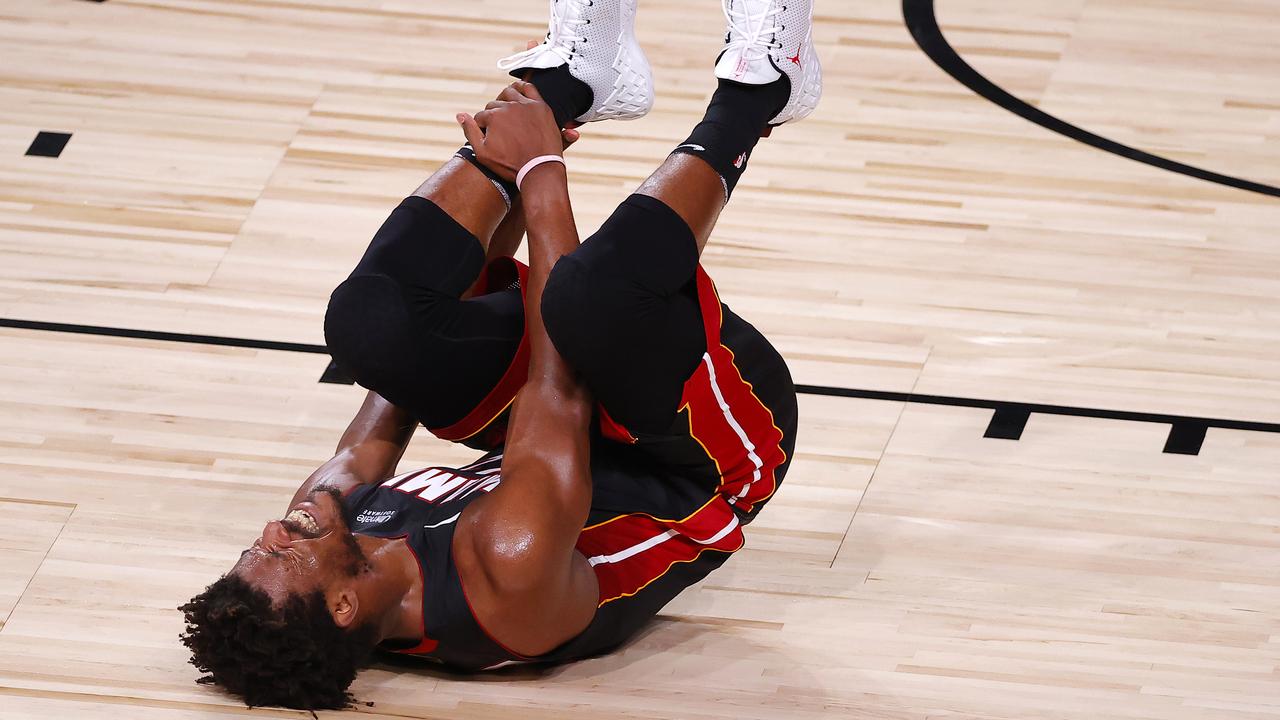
<point x="304" y="551"/>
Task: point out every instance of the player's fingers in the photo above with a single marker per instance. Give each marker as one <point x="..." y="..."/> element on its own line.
<point x="471" y="130"/>
<point x="510" y="94"/>
<point x="494" y="104"/>
<point x="570" y="136"/>
<point x="533" y="44"/>
<point x="483" y="118"/>
<point x="528" y="90"/>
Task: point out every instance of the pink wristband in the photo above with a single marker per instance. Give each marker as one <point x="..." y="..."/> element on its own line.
<point x="535" y="163"/>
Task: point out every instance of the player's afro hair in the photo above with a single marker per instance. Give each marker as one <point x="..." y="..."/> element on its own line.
<point x="293" y="655"/>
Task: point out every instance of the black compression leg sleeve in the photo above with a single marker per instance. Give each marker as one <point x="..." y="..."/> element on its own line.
<point x="735" y="119"/>
<point x="398" y="325"/>
<point x="623" y="310"/>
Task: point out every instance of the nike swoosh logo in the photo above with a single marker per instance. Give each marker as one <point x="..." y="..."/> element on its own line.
<point x="442" y="522"/>
<point x="695" y="146"/>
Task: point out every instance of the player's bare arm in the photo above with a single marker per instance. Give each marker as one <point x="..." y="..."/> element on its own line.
<point x="509" y="234"/>
<point x="515" y="548"/>
<point x="368" y="451"/>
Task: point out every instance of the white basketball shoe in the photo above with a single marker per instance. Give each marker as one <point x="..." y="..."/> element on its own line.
<point x="767" y="39"/>
<point x="597" y="40"/>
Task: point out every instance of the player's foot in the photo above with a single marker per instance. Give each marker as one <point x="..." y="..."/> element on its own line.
<point x="596" y="39"/>
<point x="770" y="39"/>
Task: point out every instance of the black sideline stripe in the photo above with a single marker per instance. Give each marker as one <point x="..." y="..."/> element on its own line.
<point x="1100" y="413"/>
<point x="48" y="144"/>
<point x="923" y="24"/>
<point x="166" y="336"/>
<point x="1007" y="423"/>
<point x="1011" y="409"/>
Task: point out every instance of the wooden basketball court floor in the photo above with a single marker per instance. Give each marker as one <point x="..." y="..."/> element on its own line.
<point x="940" y="261"/>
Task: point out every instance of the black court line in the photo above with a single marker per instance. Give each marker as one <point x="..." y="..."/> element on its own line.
<point x="1043" y="409"/>
<point x="923" y="24"/>
<point x="1186" y="434"/>
<point x="166" y="336"/>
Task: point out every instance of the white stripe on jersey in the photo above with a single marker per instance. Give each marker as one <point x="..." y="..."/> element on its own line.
<point x="657" y="540"/>
<point x="733" y="423"/>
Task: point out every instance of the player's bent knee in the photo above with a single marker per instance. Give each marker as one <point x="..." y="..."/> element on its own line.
<point x="366" y="328"/>
<point x="582" y="310"/>
<point x="568" y="307"/>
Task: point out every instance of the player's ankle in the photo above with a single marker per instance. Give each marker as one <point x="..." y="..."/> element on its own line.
<point x="736" y="118"/>
<point x="594" y="44"/>
<point x="568" y="96"/>
<point x="771" y="39"/>
<point x="753" y="104"/>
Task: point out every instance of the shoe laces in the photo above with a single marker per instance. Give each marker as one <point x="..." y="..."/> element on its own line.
<point x="754" y="33"/>
<point x="563" y="34"/>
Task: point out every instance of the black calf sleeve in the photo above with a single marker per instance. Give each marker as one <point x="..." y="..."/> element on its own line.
<point x="735" y="118"/>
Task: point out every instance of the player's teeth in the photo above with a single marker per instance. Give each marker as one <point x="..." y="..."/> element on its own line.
<point x="304" y="519"/>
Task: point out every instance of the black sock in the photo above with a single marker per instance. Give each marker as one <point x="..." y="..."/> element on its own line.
<point x="736" y="117"/>
<point x="568" y="96"/>
<point x="505" y="188"/>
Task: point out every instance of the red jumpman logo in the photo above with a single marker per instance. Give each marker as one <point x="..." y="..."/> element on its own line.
<point x="796" y="58"/>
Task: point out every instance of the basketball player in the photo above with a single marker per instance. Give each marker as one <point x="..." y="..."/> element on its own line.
<point x="632" y="422"/>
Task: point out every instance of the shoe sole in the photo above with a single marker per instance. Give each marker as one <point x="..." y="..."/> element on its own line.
<point x="805" y="100"/>
<point x="632" y="95"/>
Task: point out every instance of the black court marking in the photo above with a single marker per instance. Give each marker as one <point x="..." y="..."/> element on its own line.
<point x="923" y="24"/>
<point x="334" y="375"/>
<point x="1185" y="437"/>
<point x="48" y="144"/>
<point x="1007" y="423"/>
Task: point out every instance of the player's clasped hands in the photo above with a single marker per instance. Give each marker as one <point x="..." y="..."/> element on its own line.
<point x="514" y="129"/>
